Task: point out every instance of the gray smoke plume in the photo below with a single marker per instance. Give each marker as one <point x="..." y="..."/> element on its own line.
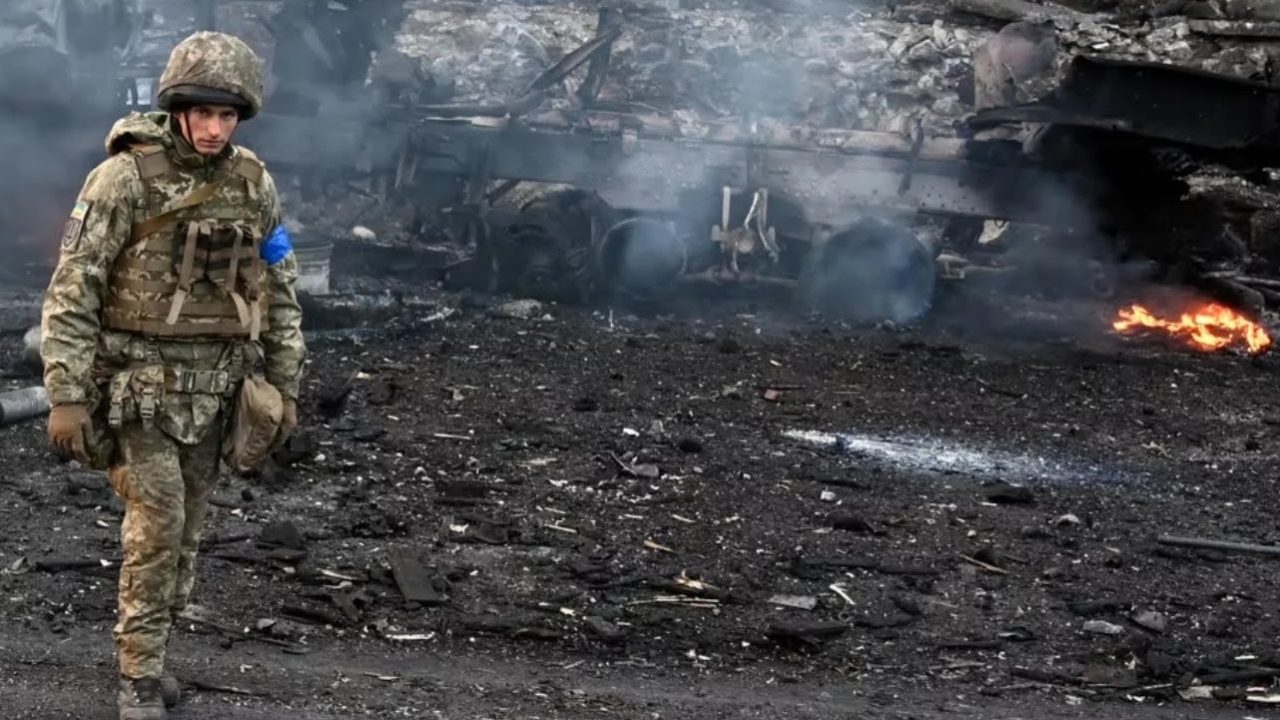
<point x="58" y="82"/>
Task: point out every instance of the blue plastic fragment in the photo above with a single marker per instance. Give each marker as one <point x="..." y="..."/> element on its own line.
<point x="277" y="246"/>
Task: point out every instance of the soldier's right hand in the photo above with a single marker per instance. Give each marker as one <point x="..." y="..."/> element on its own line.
<point x="68" y="428"/>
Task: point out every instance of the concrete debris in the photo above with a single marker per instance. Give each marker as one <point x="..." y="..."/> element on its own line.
<point x="869" y="68"/>
<point x="1151" y="620"/>
<point x="1102" y="627"/>
<point x="798" y="602"/>
<point x="518" y="310"/>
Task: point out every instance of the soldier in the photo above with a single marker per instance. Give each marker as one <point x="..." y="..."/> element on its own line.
<point x="173" y="287"/>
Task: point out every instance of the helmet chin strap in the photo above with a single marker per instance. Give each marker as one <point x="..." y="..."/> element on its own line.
<point x="181" y="116"/>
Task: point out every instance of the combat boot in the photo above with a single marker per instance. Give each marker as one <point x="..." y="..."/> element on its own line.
<point x="170" y="690"/>
<point x="140" y="699"/>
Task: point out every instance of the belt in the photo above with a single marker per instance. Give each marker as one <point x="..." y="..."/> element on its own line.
<point x="206" y="382"/>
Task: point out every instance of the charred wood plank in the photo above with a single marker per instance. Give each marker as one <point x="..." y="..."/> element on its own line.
<point x="313" y="616"/>
<point x="413" y="580"/>
<point x="59" y="565"/>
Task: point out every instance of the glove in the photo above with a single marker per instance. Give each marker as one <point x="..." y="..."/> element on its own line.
<point x="68" y="427"/>
<point x="289" y="418"/>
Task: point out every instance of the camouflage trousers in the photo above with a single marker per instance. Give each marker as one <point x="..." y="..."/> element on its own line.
<point x="165" y="486"/>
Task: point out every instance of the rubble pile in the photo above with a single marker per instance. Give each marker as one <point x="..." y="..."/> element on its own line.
<point x="868" y="67"/>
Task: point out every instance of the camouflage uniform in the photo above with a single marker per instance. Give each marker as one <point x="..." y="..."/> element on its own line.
<point x="158" y="307"/>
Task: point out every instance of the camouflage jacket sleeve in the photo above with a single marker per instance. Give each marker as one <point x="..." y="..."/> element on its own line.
<point x="98" y="229"/>
<point x="282" y="343"/>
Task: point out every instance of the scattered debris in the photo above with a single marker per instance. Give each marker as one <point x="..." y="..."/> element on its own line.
<point x="205" y="686"/>
<point x="843" y="593"/>
<point x="603" y="629"/>
<point x="850" y="523"/>
<point x="1221" y="545"/>
<point x="1067" y="520"/>
<point x="652" y="545"/>
<point x="799" y="602"/>
<point x="1151" y="620"/>
<point x="806" y="632"/>
<point x="985" y="566"/>
<point x="410" y="637"/>
<point x="281" y="535"/>
<point x="1006" y="494"/>
<point x="413" y="580"/>
<point x="518" y="310"/>
<point x="1102" y="627"/>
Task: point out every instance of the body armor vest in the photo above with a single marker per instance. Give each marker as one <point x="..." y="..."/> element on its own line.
<point x="191" y="268"/>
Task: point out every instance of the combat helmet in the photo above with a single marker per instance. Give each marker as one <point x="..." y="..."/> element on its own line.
<point x="211" y="68"/>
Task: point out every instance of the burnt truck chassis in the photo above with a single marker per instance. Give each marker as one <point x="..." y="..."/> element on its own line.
<point x="816" y="182"/>
<point x="769" y="204"/>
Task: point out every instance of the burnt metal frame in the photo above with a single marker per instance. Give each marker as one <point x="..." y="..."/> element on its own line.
<point x="652" y="174"/>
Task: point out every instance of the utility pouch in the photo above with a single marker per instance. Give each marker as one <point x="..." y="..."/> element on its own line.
<point x="255" y="425"/>
<point x="135" y="395"/>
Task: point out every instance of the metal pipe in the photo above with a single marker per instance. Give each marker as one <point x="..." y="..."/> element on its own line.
<point x="715" y="276"/>
<point x="1226" y="545"/>
<point x="19" y="405"/>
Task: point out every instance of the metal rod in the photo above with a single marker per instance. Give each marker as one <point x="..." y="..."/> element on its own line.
<point x="18" y="405"/>
<point x="598" y="67"/>
<point x="1218" y="545"/>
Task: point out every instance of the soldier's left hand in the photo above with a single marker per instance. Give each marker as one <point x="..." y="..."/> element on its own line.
<point x="289" y="418"/>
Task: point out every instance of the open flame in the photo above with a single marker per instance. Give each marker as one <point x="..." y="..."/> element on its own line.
<point x="1208" y="327"/>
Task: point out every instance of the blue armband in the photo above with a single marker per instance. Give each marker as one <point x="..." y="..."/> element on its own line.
<point x="276" y="246"/>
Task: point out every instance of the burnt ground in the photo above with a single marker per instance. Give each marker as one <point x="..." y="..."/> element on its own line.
<point x="603" y="511"/>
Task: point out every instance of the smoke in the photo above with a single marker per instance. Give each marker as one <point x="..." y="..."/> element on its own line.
<point x="642" y="257"/>
<point x="58" y="80"/>
<point x="870" y="271"/>
<point x="814" y="64"/>
<point x="749" y="64"/>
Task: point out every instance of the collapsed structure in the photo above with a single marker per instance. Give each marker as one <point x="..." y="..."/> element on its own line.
<point x="575" y="152"/>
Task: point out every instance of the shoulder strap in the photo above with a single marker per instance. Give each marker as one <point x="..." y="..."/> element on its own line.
<point x="248" y="166"/>
<point x="152" y="161"/>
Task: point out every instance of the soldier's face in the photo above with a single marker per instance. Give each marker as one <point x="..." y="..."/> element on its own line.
<point x="209" y="127"/>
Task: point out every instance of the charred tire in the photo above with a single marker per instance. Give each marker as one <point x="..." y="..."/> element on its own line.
<point x="641" y="258"/>
<point x="870" y="272"/>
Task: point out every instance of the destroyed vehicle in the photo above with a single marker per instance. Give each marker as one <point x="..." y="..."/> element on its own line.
<point x="637" y="204"/>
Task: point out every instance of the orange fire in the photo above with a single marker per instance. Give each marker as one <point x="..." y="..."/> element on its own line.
<point x="1209" y="327"/>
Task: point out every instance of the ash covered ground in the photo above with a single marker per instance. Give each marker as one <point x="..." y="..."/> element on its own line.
<point x="617" y="514"/>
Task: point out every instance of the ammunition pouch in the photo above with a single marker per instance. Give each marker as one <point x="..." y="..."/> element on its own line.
<point x="255" y="426"/>
<point x="135" y="395"/>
